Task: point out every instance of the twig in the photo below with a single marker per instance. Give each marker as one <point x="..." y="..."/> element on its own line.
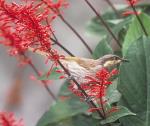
<point x="63" y="67"/>
<point x="137" y="16"/>
<point x="44" y="82"/>
<point x="61" y="46"/>
<point x="101" y="101"/>
<point x="103" y="22"/>
<point x="73" y="79"/>
<point x="76" y="33"/>
<point x="113" y="7"/>
<point x="70" y="26"/>
<point x="55" y="40"/>
<point x="79" y="87"/>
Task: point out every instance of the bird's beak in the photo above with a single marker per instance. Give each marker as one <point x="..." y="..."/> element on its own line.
<point x="124" y="60"/>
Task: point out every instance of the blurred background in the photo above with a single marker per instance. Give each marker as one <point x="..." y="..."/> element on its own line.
<point x="30" y="100"/>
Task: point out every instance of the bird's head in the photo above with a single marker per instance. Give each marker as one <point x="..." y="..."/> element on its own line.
<point x="111" y="60"/>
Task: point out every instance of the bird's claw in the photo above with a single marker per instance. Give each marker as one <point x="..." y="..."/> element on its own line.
<point x="71" y="77"/>
<point x="88" y="99"/>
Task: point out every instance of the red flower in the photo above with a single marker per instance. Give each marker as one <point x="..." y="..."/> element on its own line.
<point x="64" y="98"/>
<point x="132" y="2"/>
<point x="93" y="109"/>
<point x="55" y="6"/>
<point x="95" y="86"/>
<point x="26" y="25"/>
<point x="73" y="88"/>
<point x="11" y="39"/>
<point x="8" y="119"/>
<point x="54" y="56"/>
<point x="22" y="25"/>
<point x="113" y="109"/>
<point x="127" y="13"/>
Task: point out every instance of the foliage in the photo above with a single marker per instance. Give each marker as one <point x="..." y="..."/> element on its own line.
<point x="133" y="78"/>
<point x="53" y="75"/>
<point x="94" y="93"/>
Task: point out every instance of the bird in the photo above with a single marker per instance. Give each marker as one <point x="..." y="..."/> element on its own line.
<point x="80" y="67"/>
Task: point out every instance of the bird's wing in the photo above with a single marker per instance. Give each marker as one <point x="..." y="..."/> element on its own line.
<point x="83" y="62"/>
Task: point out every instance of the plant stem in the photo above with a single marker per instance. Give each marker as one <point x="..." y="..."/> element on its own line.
<point x="103" y="22"/>
<point x="101" y="101"/>
<point x="61" y="46"/>
<point x="55" y="40"/>
<point x="79" y="87"/>
<point x="76" y="33"/>
<point x="77" y="84"/>
<point x="70" y="26"/>
<point x="63" y="67"/>
<point x="137" y="16"/>
<point x="113" y="7"/>
<point x="44" y="82"/>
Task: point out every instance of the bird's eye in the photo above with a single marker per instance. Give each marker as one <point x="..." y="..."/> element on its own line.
<point x="116" y="58"/>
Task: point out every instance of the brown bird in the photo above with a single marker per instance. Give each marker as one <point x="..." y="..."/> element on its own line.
<point x="81" y="67"/>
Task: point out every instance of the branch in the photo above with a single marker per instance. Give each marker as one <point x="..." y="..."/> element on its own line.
<point x="44" y="82"/>
<point x="104" y="23"/>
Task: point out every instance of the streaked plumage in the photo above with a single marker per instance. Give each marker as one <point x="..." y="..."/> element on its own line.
<point x="81" y="67"/>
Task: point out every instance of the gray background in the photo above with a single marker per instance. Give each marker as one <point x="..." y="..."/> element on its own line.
<point x="35" y="100"/>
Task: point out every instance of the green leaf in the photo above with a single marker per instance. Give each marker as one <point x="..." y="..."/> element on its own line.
<point x="53" y="75"/>
<point x="96" y="28"/>
<point x="145" y="7"/>
<point x="64" y="91"/>
<point x="63" y="110"/>
<point x="113" y="94"/>
<point x="119" y="53"/>
<point x="116" y="124"/>
<point x="134" y="83"/>
<point x="121" y="112"/>
<point x="79" y="120"/>
<point x="116" y="26"/>
<point x="101" y="49"/>
<point x="135" y="31"/>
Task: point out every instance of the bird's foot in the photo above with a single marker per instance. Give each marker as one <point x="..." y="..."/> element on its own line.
<point x="88" y="99"/>
<point x="71" y="77"/>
